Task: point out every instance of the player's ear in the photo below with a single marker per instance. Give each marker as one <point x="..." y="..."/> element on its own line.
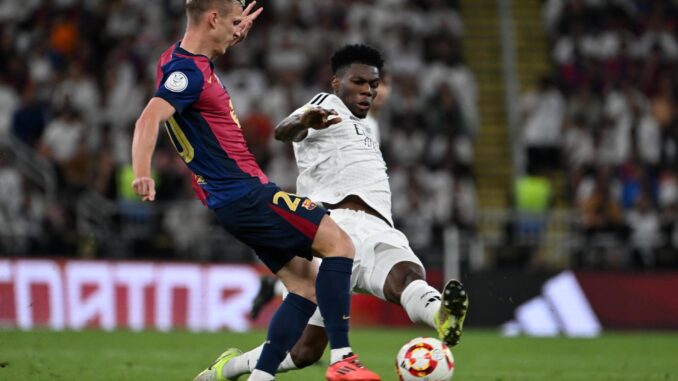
<point x="335" y="84"/>
<point x="213" y="18"/>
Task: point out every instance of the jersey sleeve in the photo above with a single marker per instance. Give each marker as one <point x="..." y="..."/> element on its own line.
<point x="180" y="86"/>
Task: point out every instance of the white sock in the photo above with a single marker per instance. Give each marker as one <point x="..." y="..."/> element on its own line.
<point x="421" y="302"/>
<point x="260" y="375"/>
<point x="242" y="364"/>
<point x="247" y="362"/>
<point x="287" y="364"/>
<point x="338" y="354"/>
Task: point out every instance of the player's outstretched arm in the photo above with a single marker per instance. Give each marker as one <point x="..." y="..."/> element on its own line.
<point x="295" y="127"/>
<point x="146" y="128"/>
<point x="246" y="22"/>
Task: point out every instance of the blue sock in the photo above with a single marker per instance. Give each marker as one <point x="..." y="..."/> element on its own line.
<point x="285" y="329"/>
<point x="333" y="291"/>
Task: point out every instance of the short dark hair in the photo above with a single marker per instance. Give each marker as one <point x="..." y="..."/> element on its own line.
<point x="357" y="53"/>
<point x="195" y="8"/>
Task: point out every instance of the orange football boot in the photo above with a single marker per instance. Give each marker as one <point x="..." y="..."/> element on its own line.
<point x="350" y="369"/>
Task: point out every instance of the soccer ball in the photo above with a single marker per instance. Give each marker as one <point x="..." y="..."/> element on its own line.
<point x="424" y="359"/>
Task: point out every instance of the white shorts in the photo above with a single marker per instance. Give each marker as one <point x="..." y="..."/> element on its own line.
<point x="374" y="242"/>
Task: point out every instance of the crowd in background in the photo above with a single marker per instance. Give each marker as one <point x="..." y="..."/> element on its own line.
<point x="75" y="74"/>
<point x="608" y="116"/>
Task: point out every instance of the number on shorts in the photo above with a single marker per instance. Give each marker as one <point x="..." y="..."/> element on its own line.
<point x="291" y="205"/>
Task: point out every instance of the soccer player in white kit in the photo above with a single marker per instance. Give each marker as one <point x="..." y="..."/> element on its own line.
<point x="341" y="165"/>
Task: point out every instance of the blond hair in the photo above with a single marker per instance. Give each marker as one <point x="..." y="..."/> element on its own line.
<point x="196" y="8"/>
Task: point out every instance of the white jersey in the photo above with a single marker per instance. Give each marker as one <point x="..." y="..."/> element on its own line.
<point x="341" y="160"/>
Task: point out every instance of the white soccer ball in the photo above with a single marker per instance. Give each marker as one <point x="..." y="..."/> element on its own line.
<point x="424" y="359"/>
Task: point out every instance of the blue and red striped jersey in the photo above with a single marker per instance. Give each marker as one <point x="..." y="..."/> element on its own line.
<point x="204" y="129"/>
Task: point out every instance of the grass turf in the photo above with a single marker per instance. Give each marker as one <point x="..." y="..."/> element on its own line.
<point x="482" y="356"/>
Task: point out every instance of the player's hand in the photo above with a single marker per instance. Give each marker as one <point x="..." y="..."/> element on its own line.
<point x="318" y="118"/>
<point x="247" y="21"/>
<point x="144" y="187"/>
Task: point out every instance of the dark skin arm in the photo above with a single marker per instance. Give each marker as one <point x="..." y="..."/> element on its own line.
<point x="294" y="128"/>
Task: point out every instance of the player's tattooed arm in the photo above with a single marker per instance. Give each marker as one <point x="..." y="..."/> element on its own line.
<point x="295" y="127"/>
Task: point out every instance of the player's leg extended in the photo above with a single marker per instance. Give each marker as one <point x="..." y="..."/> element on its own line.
<point x="312" y="343"/>
<point x="290" y="319"/>
<point x="406" y="285"/>
<point x="285" y="328"/>
<point x="333" y="291"/>
<point x="333" y="286"/>
<point x="307" y="351"/>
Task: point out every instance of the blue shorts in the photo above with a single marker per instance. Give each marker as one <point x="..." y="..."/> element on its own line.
<point x="276" y="224"/>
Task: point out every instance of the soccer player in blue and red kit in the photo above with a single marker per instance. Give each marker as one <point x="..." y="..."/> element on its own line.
<point x="284" y="230"/>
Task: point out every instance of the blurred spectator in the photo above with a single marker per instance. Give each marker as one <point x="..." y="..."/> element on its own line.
<point x="465" y="209"/>
<point x="543" y="112"/>
<point x="412" y="205"/>
<point x="445" y="124"/>
<point x="644" y="224"/>
<point x="603" y="224"/>
<point x="578" y="145"/>
<point x="13" y="229"/>
<point x="63" y="143"/>
<point x="63" y="35"/>
<point x="30" y="118"/>
<point x="586" y="105"/>
<point x="614" y="63"/>
<point x="8" y="103"/>
<point x="78" y="90"/>
<point x="532" y="197"/>
<point x="84" y="69"/>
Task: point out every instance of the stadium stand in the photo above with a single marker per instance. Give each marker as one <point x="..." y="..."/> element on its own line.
<point x="75" y="74"/>
<point x="612" y="96"/>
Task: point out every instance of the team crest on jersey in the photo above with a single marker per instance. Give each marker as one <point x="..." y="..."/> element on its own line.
<point x="176" y="82"/>
<point x="308" y="204"/>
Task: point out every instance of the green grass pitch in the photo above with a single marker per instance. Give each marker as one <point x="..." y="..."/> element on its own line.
<point x="482" y="356"/>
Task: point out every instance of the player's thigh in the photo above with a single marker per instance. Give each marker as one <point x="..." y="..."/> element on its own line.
<point x="276" y="224"/>
<point x="391" y="266"/>
<point x="331" y="241"/>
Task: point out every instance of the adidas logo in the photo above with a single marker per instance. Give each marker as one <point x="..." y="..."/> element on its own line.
<point x="433" y="299"/>
<point x="562" y="308"/>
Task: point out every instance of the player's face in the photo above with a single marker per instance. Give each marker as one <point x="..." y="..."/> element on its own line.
<point x="227" y="23"/>
<point x="357" y="88"/>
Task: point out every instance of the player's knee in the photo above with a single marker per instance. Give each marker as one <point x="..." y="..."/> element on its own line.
<point x="344" y="246"/>
<point x="303" y="288"/>
<point x="307" y="354"/>
<point x="400" y="276"/>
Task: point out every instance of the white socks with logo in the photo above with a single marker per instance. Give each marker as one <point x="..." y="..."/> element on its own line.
<point x="421" y="302"/>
